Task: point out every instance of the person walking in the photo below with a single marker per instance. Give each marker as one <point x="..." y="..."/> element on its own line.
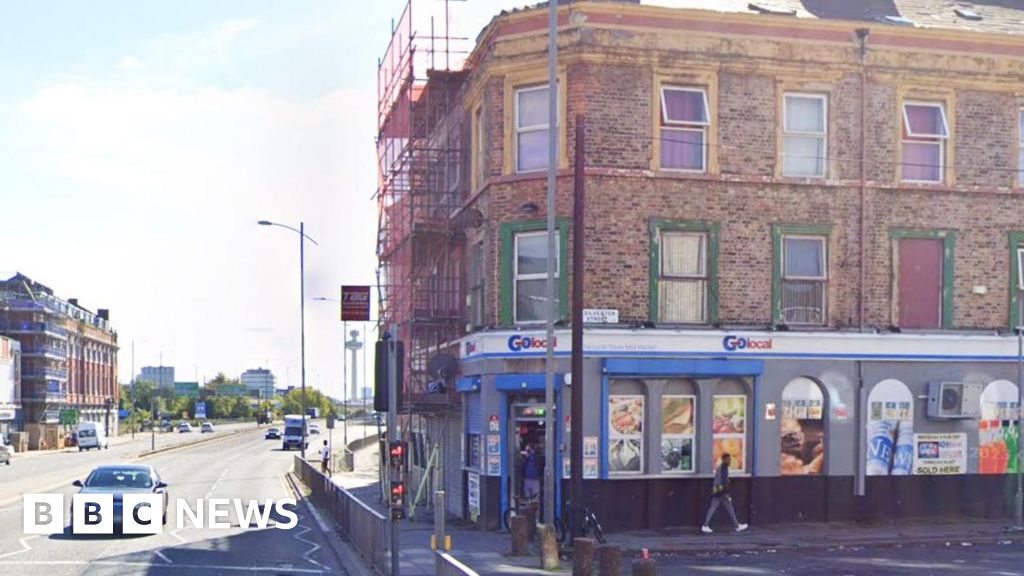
<point x="325" y="459"/>
<point x="720" y="497"/>
<point x="532" y="472"/>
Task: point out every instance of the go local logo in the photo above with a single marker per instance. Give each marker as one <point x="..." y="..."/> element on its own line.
<point x="733" y="343"/>
<point x="527" y="343"/>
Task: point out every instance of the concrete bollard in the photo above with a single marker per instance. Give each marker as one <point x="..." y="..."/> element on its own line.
<point x="645" y="567"/>
<point x="583" y="557"/>
<point x="518" y="527"/>
<point x="609" y="560"/>
<point x="549" y="559"/>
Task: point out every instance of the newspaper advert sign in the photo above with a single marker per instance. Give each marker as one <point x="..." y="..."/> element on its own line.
<point x="355" y="303"/>
<point x="473" y="496"/>
<point x="940" y="454"/>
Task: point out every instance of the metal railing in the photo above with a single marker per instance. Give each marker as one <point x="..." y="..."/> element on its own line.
<point x="44" y="350"/>
<point x="366" y="529"/>
<point x="31" y="327"/>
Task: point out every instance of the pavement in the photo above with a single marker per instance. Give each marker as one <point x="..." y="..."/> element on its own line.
<point x="241" y="465"/>
<point x="808" y="548"/>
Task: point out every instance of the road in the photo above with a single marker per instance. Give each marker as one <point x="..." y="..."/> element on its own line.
<point x="916" y="560"/>
<point x="239" y="466"/>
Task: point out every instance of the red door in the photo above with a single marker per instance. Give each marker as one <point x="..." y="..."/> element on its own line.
<point x="920" y="282"/>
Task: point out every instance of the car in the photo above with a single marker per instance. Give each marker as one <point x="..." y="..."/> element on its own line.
<point x="314" y="428"/>
<point x="5" y="454"/>
<point x="184" y="427"/>
<point x="272" y="434"/>
<point x="121" y="479"/>
<point x="207" y="427"/>
<point x="91" y="435"/>
<point x="166" y="426"/>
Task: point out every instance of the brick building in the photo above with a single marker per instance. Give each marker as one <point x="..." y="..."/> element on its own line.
<point x="806" y="217"/>
<point x="68" y="358"/>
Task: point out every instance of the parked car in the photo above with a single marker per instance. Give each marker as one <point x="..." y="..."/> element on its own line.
<point x="166" y="426"/>
<point x="92" y="435"/>
<point x="272" y="434"/>
<point x="123" y="479"/>
<point x="5" y="454"/>
<point x="314" y="429"/>
<point x="184" y="427"/>
<point x="207" y="427"/>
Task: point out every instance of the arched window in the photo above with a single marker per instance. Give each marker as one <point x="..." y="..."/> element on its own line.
<point x="890" y="429"/>
<point x="997" y="429"/>
<point x="729" y="424"/>
<point x="626" y="404"/>
<point x="678" y="426"/>
<point x="803" y="428"/>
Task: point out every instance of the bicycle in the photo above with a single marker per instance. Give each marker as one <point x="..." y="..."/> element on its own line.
<point x="520" y="504"/>
<point x="591" y="527"/>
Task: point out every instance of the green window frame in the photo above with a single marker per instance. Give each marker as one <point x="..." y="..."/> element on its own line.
<point x="509" y="230"/>
<point x="948" y="238"/>
<point x="780" y="231"/>
<point x="1015" y="292"/>
<point x="710" y="229"/>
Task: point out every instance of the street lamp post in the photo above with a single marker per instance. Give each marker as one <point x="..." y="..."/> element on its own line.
<point x="301" y="231"/>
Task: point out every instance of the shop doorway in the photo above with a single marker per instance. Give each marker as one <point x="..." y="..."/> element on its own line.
<point x="526" y="438"/>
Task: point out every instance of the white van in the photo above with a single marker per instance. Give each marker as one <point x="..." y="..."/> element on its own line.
<point x="91" y="435"/>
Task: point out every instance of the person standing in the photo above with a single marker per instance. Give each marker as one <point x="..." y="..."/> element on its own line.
<point x="325" y="459"/>
<point x="532" y="472"/>
<point x="720" y="497"/>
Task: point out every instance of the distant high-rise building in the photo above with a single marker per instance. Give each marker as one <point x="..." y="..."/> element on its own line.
<point x="162" y="376"/>
<point x="259" y="381"/>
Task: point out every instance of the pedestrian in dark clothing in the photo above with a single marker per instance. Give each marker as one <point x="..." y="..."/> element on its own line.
<point x="532" y="472"/>
<point x="720" y="497"/>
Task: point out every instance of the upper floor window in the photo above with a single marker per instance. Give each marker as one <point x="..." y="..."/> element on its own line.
<point x="1020" y="147"/>
<point x="805" y="131"/>
<point x="480" y="151"/>
<point x="683" y="277"/>
<point x="684" y="129"/>
<point x="804" y="277"/>
<point x="925" y="132"/>
<point x="530" y="276"/>
<point x="532" y="123"/>
<point x="476" y="285"/>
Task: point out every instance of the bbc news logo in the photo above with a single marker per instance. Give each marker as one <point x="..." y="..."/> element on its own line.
<point x="144" y="513"/>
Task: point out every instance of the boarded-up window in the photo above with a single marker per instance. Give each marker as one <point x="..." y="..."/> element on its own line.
<point x="920" y="282"/>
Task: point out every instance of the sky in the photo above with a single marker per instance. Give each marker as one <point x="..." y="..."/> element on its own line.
<point x="140" y="142"/>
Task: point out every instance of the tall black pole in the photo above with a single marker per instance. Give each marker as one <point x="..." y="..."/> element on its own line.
<point x="302" y="325"/>
<point x="578" y="255"/>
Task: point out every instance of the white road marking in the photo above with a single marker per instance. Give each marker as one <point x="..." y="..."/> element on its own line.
<point x="24" y="546"/>
<point x="216" y="484"/>
<point x="315" y="546"/>
<point x="274" y="569"/>
<point x="179" y="536"/>
<point x="164" y="558"/>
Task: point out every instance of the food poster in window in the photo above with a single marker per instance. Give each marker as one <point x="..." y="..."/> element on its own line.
<point x="677" y="432"/>
<point x="729" y="429"/>
<point x="890" y="430"/>
<point x="802" y="448"/>
<point x="998" y="434"/>
<point x="625" y="433"/>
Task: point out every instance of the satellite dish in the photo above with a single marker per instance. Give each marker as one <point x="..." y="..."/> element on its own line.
<point x="443" y="367"/>
<point x="471" y="218"/>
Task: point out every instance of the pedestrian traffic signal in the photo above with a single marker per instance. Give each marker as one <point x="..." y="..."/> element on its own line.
<point x="383" y="353"/>
<point x="397" y="456"/>
<point x="398" y="494"/>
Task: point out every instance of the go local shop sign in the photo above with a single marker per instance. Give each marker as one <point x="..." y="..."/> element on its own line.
<point x="940" y="454"/>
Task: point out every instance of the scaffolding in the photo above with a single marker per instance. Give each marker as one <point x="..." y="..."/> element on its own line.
<point x="421" y="186"/>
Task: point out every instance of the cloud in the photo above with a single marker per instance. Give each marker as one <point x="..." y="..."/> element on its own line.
<point x="130" y="63"/>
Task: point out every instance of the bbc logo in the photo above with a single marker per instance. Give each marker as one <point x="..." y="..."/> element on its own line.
<point x="93" y="514"/>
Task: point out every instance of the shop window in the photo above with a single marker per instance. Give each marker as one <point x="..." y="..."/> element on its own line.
<point x="925" y="132"/>
<point x="626" y="430"/>
<point x="524" y="272"/>
<point x="998" y="434"/>
<point x="729" y="430"/>
<point x="678" y="429"/>
<point x="805" y="135"/>
<point x="803" y="429"/>
<point x="532" y="123"/>
<point x="474" y="459"/>
<point x="684" y="129"/>
<point x="890" y="430"/>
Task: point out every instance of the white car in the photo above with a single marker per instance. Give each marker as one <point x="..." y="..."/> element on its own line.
<point x="314" y="428"/>
<point x="207" y="427"/>
<point x="184" y="427"/>
<point x="5" y="454"/>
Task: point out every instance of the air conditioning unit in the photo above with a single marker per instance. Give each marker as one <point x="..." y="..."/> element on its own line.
<point x="953" y="400"/>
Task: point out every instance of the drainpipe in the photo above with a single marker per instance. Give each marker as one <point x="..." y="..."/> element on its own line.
<point x="861" y="432"/>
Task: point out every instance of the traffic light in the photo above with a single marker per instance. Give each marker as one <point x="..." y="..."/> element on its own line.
<point x="381" y="366"/>
<point x="398" y="494"/>
<point x="398" y="454"/>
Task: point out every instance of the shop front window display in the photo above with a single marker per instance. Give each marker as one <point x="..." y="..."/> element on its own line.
<point x="625" y="433"/>
<point x="677" y="433"/>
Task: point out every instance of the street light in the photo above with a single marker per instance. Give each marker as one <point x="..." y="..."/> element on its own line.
<point x="302" y="310"/>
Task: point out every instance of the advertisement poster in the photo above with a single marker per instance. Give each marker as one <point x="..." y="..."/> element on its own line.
<point x="590" y="446"/>
<point x="940" y="454"/>
<point x="998" y="434"/>
<point x="493" y="444"/>
<point x="890" y="430"/>
<point x="473" y="494"/>
<point x="677" y="430"/>
<point x="729" y="430"/>
<point x="590" y="468"/>
<point x="802" y="442"/>
<point x="494" y="423"/>
<point x="493" y="465"/>
<point x="625" y="433"/>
